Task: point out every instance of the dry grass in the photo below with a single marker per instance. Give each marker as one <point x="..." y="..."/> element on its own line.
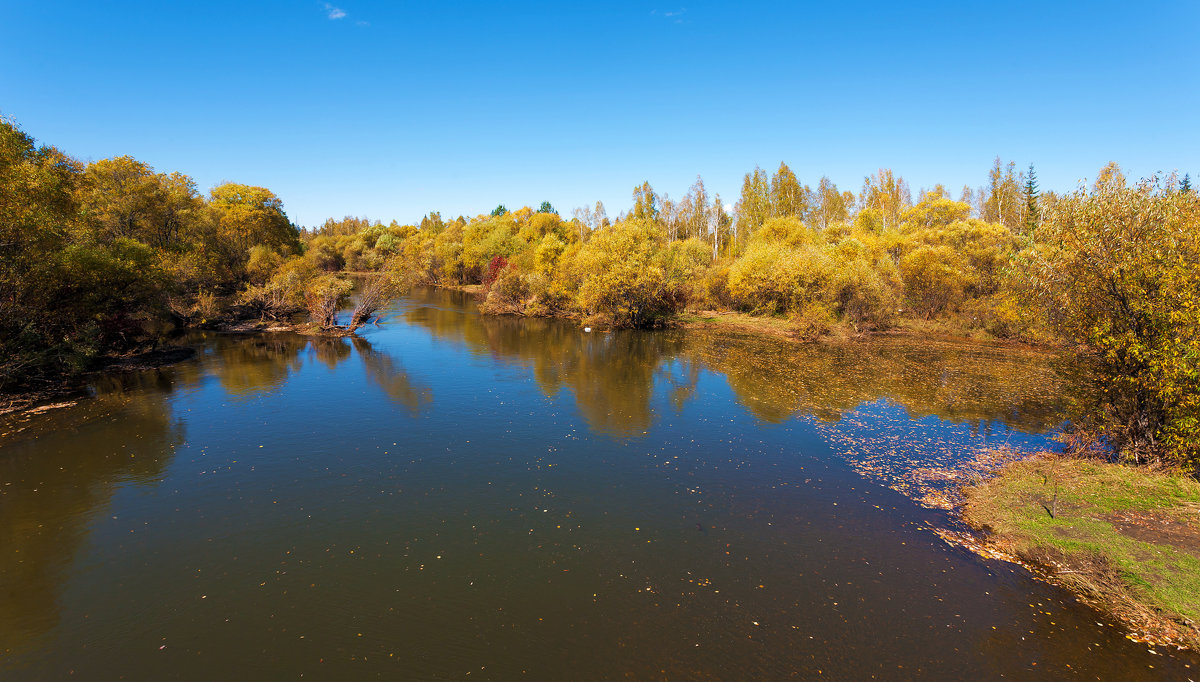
<point x="713" y="319"/>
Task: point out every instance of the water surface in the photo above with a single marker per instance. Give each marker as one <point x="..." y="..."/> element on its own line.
<point x="454" y="496"/>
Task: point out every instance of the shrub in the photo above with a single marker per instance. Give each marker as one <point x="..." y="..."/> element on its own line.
<point x="864" y="293"/>
<point x="622" y="275"/>
<point x="283" y="294"/>
<point x="325" y="296"/>
<point x="507" y="294"/>
<point x="774" y="278"/>
<point x="935" y="278"/>
<point x="483" y="240"/>
<point x="812" y="322"/>
<point x="714" y="290"/>
<point x="495" y="267"/>
<point x="986" y="248"/>
<point x="324" y="254"/>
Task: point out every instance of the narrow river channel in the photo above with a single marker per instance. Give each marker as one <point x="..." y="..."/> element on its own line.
<point x="453" y="496"/>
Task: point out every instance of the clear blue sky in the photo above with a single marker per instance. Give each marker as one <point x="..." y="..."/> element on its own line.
<point x="391" y="109"/>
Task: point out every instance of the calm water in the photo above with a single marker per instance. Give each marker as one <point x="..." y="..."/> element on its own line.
<point x="459" y="497"/>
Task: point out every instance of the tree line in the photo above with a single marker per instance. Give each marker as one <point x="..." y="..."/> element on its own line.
<point x="98" y="258"/>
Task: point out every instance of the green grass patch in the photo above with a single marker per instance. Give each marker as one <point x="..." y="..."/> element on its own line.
<point x="1125" y="537"/>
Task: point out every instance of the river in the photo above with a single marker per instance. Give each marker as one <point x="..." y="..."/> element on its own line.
<point x="453" y="496"/>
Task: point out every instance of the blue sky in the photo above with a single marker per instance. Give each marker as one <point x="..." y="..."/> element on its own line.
<point x="392" y="109"/>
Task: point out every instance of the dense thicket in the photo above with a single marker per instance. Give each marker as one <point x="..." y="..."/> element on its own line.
<point x="96" y="257"/>
<point x="1117" y="270"/>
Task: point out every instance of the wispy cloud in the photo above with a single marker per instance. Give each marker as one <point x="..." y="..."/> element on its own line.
<point x="674" y="15"/>
<point x="334" y="12"/>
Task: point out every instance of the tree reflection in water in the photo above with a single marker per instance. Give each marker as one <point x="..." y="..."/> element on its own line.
<point x="870" y="400"/>
<point x="387" y="372"/>
<point x="253" y="365"/>
<point x="59" y="471"/>
<point x="613" y="375"/>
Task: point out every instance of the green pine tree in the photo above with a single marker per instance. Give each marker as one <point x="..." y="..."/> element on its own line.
<point x="1032" y="216"/>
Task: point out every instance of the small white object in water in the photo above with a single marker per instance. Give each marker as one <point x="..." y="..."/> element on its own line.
<point x="587" y="329"/>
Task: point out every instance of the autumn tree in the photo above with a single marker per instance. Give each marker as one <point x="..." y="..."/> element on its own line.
<point x="432" y="223"/>
<point x="119" y="196"/>
<point x="1109" y="177"/>
<point x="37" y="205"/>
<point x="670" y="215"/>
<point x="886" y="195"/>
<point x="1002" y="201"/>
<point x="645" y="203"/>
<point x="788" y="197"/>
<point x="830" y="206"/>
<point x="1120" y="275"/>
<point x="248" y="216"/>
<point x="967" y="196"/>
<point x="123" y="197"/>
<point x="696" y="218"/>
<point x="754" y="207"/>
<point x="600" y="216"/>
<point x="68" y="292"/>
<point x="624" y="275"/>
<point x="582" y="217"/>
<point x="349" y="225"/>
<point x="720" y="224"/>
<point x="935" y="209"/>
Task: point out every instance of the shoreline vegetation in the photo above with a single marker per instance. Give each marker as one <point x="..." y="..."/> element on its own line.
<point x="781" y="327"/>
<point x="107" y="259"/>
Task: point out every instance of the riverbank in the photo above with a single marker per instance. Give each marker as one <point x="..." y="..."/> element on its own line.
<point x="782" y="327"/>
<point x="52" y="394"/>
<point x="1125" y="539"/>
<point x="61" y="391"/>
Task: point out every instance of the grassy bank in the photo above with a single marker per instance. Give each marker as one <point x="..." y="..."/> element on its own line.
<point x="782" y="327"/>
<point x="1126" y="539"/>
